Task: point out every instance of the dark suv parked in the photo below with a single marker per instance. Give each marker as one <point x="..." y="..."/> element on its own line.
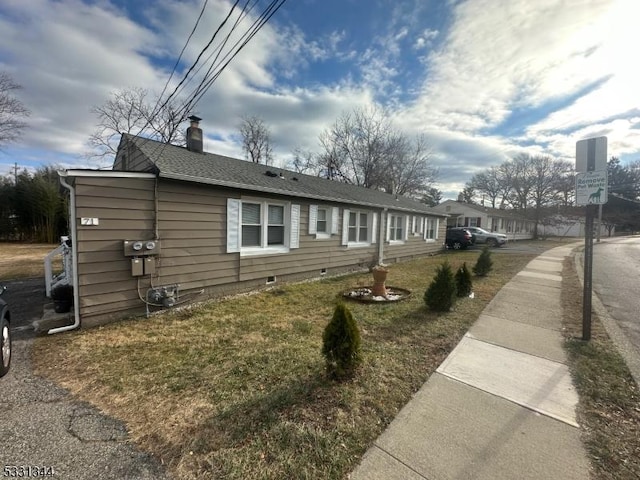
<point x="458" y="238"/>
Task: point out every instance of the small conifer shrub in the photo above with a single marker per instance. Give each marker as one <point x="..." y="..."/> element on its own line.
<point x="341" y="344"/>
<point x="484" y="264"/>
<point x="463" y="281"/>
<point x="441" y="293"/>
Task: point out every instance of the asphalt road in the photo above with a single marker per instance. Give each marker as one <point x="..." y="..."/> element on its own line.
<point x="43" y="429"/>
<point x="616" y="281"/>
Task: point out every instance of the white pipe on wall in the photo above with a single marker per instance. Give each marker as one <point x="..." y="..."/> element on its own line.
<point x="74" y="259"/>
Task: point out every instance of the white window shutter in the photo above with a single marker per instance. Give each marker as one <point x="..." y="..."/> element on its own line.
<point x="374" y="227"/>
<point x="294" y="228"/>
<point x="406" y="229"/>
<point x="335" y="217"/>
<point x="313" y="219"/>
<point x="388" y="236"/>
<point x="233" y="225"/>
<point x="414" y="225"/>
<point x="345" y="227"/>
<point x="437" y="227"/>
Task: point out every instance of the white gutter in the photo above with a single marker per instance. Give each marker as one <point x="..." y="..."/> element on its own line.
<point x="74" y="259"/>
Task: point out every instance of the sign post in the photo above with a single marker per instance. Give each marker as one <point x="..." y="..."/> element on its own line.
<point x="591" y="190"/>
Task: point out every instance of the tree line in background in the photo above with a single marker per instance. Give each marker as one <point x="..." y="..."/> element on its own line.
<point x="538" y="186"/>
<point x="33" y="207"/>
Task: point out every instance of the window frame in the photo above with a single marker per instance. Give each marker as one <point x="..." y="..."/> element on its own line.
<point x="290" y="227"/>
<point x="332" y="216"/>
<point x="432" y="224"/>
<point x="371" y="225"/>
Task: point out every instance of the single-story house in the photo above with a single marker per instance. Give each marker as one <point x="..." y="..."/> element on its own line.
<point x="509" y="222"/>
<point x="172" y="224"/>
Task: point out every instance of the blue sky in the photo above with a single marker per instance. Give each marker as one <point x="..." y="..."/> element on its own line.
<point x="483" y="80"/>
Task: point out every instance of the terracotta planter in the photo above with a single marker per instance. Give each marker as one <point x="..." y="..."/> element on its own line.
<point x="379" y="277"/>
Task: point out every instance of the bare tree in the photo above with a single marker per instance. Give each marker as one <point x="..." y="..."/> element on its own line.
<point x="256" y="140"/>
<point x="407" y="166"/>
<point x="491" y="184"/>
<point x="363" y="148"/>
<point x="11" y="111"/>
<point x="131" y="111"/>
<point x="304" y="161"/>
<point x="546" y="174"/>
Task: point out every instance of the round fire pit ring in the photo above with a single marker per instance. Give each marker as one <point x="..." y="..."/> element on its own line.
<point x="364" y="295"/>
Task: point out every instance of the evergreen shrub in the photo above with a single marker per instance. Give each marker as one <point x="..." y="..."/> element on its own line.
<point x="484" y="264"/>
<point x="441" y="293"/>
<point x="341" y="344"/>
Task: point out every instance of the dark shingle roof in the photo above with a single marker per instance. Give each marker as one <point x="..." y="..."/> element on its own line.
<point x="181" y="164"/>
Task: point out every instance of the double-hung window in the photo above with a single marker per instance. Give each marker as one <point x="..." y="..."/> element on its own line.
<point x="256" y="227"/>
<point x="395" y="228"/>
<point x="323" y="221"/>
<point x="359" y="228"/>
<point x="251" y="224"/>
<point x="431" y="232"/>
<point x="275" y="225"/>
<point x="398" y="227"/>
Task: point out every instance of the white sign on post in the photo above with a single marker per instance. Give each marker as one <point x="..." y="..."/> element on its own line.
<point x="591" y="188"/>
<point x="591" y="154"/>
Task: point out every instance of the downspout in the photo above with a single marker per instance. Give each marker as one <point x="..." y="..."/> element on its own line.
<point x="74" y="259"/>
<point x="381" y="236"/>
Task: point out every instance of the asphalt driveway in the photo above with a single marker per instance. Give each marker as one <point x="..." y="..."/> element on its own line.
<point x="42" y="425"/>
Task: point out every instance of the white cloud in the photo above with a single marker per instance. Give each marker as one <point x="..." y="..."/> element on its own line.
<point x="493" y="58"/>
<point x="425" y="39"/>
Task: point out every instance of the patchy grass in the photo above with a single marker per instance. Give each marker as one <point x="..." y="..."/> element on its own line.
<point x="25" y="260"/>
<point x="236" y="389"/>
<point x="609" y="410"/>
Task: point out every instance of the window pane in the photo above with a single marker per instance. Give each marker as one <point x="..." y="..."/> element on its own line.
<point x="353" y="234"/>
<point x="251" y="235"/>
<point x="321" y="221"/>
<point x="276" y="215"/>
<point x="251" y="213"/>
<point x="363" y="219"/>
<point x="353" y="218"/>
<point x="363" y="233"/>
<point x="275" y="236"/>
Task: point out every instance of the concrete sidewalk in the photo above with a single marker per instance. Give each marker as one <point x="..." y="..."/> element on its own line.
<point x="502" y="405"/>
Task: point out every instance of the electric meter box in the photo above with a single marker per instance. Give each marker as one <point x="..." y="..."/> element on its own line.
<point x="141" y="248"/>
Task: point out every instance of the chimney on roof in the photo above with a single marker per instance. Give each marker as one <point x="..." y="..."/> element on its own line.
<point x="194" y="135"/>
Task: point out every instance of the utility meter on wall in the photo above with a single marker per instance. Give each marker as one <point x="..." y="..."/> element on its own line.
<point x="140" y="248"/>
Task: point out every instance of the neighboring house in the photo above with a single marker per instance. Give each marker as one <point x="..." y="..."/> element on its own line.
<point x="170" y="224"/>
<point x="570" y="222"/>
<point x="509" y="222"/>
<point x="571" y="226"/>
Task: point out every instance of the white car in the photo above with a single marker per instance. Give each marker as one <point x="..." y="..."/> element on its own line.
<point x="491" y="239"/>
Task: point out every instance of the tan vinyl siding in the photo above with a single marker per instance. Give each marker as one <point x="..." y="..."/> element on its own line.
<point x="131" y="160"/>
<point x="192" y="231"/>
<point x="124" y="208"/>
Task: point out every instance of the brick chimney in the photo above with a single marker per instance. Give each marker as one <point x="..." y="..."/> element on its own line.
<point x="194" y="135"/>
